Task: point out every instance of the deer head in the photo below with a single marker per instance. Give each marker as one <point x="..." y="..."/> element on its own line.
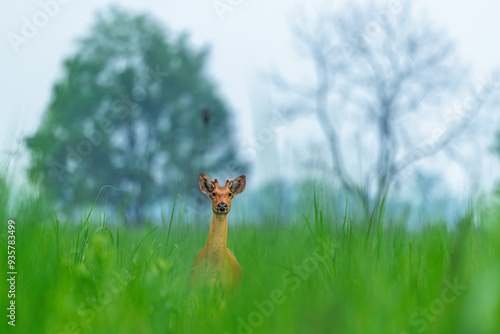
<point x="222" y="196"/>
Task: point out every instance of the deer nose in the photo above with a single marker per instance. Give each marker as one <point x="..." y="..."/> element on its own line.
<point x="222" y="206"/>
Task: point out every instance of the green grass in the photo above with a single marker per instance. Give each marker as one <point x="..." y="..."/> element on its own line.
<point x="313" y="274"/>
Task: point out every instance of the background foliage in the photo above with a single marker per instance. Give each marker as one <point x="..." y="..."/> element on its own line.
<point x="135" y="110"/>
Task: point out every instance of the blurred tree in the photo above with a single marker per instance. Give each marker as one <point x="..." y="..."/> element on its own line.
<point x="134" y="110"/>
<point x="390" y="75"/>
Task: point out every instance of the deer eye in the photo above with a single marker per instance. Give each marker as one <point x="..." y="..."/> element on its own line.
<point x="230" y="194"/>
<point x="213" y="194"/>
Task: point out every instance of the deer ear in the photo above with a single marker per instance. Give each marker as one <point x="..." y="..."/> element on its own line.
<point x="238" y="184"/>
<point x="206" y="185"/>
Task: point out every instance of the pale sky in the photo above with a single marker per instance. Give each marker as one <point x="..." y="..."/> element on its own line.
<point x="252" y="38"/>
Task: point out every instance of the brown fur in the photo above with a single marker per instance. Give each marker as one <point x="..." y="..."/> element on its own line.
<point x="215" y="261"/>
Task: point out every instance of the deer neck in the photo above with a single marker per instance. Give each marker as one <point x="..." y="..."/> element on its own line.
<point x="217" y="236"/>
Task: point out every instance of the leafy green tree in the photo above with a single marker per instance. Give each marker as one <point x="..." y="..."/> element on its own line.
<point x="135" y="110"/>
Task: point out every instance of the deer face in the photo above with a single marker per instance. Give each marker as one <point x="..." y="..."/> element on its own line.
<point x="222" y="196"/>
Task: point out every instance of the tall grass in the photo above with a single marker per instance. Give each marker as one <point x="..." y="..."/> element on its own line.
<point x="311" y="274"/>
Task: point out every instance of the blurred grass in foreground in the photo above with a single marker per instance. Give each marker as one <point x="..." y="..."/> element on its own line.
<point x="309" y="275"/>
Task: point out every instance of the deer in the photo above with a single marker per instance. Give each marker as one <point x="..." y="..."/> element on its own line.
<point x="215" y="264"/>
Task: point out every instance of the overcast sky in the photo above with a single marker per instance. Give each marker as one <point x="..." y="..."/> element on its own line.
<point x="251" y="38"/>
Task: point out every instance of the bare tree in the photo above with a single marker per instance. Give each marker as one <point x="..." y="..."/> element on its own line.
<point x="390" y="74"/>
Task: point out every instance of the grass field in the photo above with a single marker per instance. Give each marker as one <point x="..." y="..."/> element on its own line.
<point x="314" y="274"/>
